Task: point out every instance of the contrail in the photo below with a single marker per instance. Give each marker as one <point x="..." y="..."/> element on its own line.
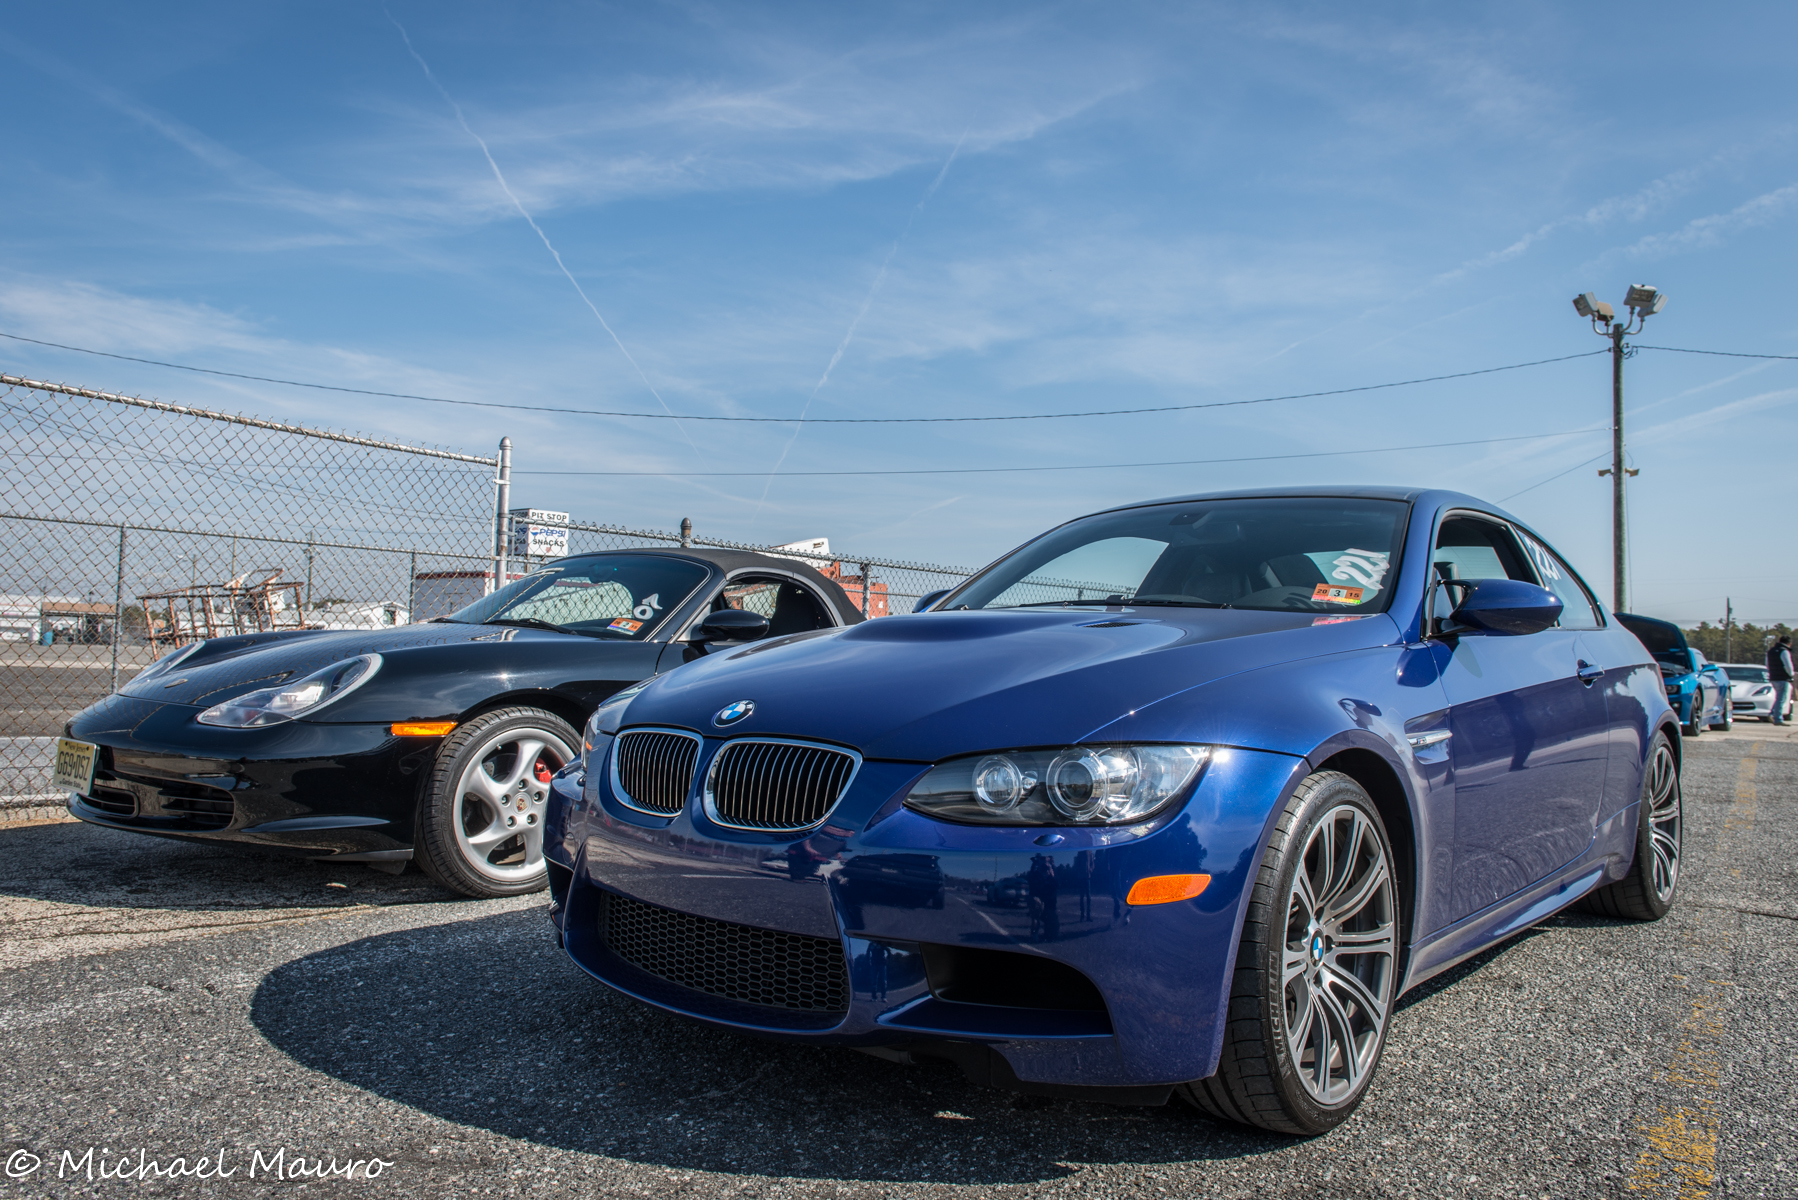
<point x="535" y="228"/>
<point x="867" y="302"/>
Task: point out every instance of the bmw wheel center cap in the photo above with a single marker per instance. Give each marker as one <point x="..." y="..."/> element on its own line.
<point x="731" y="713"/>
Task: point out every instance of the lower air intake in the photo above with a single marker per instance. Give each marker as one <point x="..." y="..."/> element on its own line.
<point x="720" y="958"/>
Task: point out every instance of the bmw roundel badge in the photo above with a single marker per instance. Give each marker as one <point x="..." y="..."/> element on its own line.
<point x="730" y="714"/>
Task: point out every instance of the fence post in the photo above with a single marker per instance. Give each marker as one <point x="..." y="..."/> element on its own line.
<point x="306" y="604"/>
<point x="867" y="586"/>
<point x="502" y="506"/>
<point x="118" y="609"/>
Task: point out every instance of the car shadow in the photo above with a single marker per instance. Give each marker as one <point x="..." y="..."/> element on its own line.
<point x="485" y="1023"/>
<point x="94" y="867"/>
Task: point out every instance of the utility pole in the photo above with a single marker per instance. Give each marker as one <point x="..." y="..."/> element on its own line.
<point x="1643" y="302"/>
<point x="1729" y="618"/>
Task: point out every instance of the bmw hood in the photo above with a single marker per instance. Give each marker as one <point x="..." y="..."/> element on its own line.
<point x="227" y="667"/>
<point x="927" y="687"/>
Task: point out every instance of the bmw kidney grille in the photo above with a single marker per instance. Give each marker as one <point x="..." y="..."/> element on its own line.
<point x="777" y="786"/>
<point x="653" y="768"/>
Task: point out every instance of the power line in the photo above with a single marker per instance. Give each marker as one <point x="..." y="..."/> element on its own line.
<point x="1716" y="353"/>
<point x="1570" y="470"/>
<point x="643" y="416"/>
<point x="1189" y="462"/>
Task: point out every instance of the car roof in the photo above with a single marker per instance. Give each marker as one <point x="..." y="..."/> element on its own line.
<point x="1430" y="499"/>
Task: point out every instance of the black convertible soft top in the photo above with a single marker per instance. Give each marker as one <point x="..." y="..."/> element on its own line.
<point x="732" y="561"/>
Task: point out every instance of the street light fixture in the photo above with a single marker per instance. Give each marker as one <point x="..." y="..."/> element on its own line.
<point x="1643" y="302"/>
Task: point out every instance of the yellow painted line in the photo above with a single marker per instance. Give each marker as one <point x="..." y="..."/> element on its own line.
<point x="1681" y="1158"/>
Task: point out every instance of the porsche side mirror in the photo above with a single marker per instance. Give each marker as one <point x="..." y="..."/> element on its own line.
<point x="1508" y="606"/>
<point x="730" y="625"/>
<point x="929" y="598"/>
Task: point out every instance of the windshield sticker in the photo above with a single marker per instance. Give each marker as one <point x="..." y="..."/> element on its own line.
<point x="626" y="625"/>
<point x="1545" y="563"/>
<point x="1337" y="595"/>
<point x="647" y="610"/>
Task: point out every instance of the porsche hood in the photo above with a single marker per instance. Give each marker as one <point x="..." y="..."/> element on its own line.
<point x="227" y="667"/>
<point x="927" y="687"/>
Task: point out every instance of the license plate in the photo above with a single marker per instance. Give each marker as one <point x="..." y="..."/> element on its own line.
<point x="74" y="770"/>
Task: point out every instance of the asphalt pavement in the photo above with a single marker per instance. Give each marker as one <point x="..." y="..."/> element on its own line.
<point x="164" y="1001"/>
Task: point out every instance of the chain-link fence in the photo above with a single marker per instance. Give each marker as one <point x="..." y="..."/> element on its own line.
<point x="129" y="526"/>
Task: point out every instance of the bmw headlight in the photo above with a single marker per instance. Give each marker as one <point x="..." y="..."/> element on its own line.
<point x="1076" y="785"/>
<point x="271" y="706"/>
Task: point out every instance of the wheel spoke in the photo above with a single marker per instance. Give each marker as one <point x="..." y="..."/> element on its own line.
<point x="528" y="750"/>
<point x="1343" y="1035"/>
<point x="1380" y="939"/>
<point x="1363" y="891"/>
<point x="1334" y="976"/>
<point x="1325" y="841"/>
<point x="1293" y="966"/>
<point x="533" y="846"/>
<point x="477" y="782"/>
<point x="483" y="842"/>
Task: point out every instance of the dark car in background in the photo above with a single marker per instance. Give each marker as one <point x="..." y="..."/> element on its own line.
<point x="1697" y="688"/>
<point x="433" y="742"/>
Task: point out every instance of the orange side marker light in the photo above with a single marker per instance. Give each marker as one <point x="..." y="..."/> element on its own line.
<point x="423" y="728"/>
<point x="1165" y="889"/>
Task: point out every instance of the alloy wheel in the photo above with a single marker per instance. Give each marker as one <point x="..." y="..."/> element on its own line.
<point x="500" y="802"/>
<point x="1341" y="947"/>
<point x="1665" y="820"/>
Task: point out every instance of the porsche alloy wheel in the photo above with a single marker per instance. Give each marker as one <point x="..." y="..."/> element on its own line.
<point x="1317" y="967"/>
<point x="480" y="828"/>
<point x="1646" y="893"/>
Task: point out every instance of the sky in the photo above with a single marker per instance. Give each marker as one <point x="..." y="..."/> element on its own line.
<point x="829" y="212"/>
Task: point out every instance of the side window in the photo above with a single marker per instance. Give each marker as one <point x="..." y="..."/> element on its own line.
<point x="1472" y="548"/>
<point x="1577" y="611"/>
<point x="790" y="607"/>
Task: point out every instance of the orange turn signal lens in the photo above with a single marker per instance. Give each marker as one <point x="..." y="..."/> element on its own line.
<point x="1165" y="889"/>
<point x="423" y="728"/>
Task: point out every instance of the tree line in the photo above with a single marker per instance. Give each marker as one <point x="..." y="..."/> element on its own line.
<point x="1744" y="643"/>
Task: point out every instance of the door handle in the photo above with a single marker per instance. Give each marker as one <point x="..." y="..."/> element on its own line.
<point x="1588" y="674"/>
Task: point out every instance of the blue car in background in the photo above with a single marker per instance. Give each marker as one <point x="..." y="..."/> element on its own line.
<point x="1177" y="799"/>
<point x="1697" y="688"/>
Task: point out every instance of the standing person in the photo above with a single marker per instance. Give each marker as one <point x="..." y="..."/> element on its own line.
<point x="1779" y="674"/>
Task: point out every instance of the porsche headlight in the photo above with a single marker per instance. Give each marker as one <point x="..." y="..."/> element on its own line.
<point x="1077" y="785"/>
<point x="166" y="663"/>
<point x="271" y="706"/>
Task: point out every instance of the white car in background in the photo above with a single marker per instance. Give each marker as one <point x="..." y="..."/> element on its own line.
<point x="1750" y="693"/>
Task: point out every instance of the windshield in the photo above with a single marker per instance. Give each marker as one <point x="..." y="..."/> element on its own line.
<point x="1747" y="674"/>
<point x="619" y="596"/>
<point x="1297" y="554"/>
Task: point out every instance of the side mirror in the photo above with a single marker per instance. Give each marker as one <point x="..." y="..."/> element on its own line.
<point x="929" y="598"/>
<point x="1508" y="606"/>
<point x="730" y="625"/>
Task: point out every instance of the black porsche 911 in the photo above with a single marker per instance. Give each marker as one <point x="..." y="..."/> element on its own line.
<point x="432" y="742"/>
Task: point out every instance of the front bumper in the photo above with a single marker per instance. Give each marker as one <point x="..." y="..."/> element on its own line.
<point x="337" y="791"/>
<point x="1075" y="988"/>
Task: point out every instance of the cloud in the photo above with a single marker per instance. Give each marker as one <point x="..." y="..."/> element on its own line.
<point x="1705" y="232"/>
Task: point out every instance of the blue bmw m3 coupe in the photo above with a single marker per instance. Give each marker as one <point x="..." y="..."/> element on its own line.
<point x="1177" y="799"/>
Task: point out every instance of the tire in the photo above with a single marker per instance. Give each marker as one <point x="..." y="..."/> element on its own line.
<point x="1295" y="992"/>
<point x="1647" y="892"/>
<point x="480" y="823"/>
<point x="1695" y="726"/>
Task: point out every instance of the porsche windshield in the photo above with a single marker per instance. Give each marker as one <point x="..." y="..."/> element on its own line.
<point x="618" y="596"/>
<point x="1295" y="554"/>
